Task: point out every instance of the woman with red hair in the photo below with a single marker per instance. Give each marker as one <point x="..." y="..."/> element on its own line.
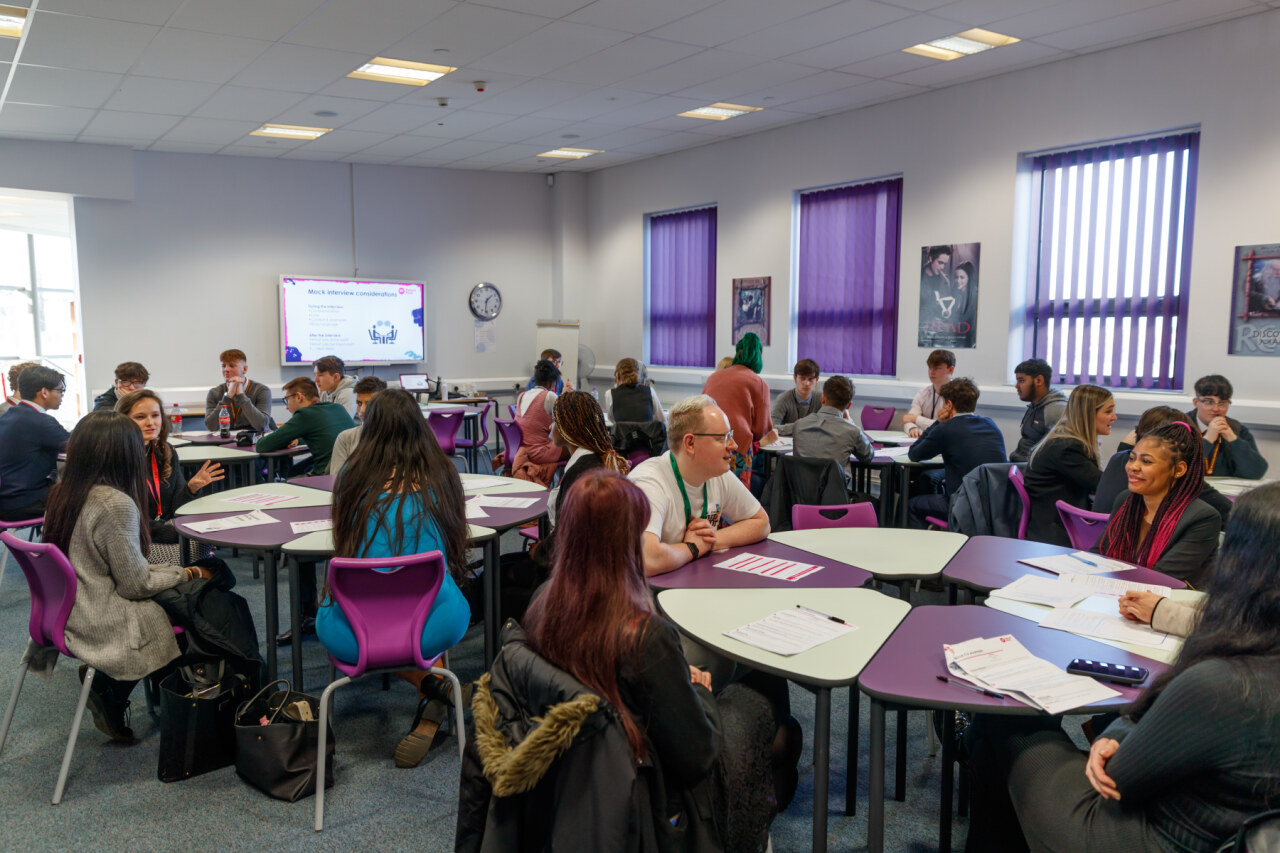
<point x="1160" y="522"/>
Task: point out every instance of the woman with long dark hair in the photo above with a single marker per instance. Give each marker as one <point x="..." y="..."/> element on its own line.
<point x="1196" y="754"/>
<point x="1160" y="522"/>
<point x="1064" y="465"/>
<point x="398" y="495"/>
<point x="94" y="515"/>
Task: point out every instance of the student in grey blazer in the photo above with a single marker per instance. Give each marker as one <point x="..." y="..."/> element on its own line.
<point x="93" y="516"/>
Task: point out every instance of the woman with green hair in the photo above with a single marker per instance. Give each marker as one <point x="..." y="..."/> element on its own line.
<point x="744" y="396"/>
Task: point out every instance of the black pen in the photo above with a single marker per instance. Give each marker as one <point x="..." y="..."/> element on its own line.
<point x="819" y="613"/>
<point x="972" y="687"/>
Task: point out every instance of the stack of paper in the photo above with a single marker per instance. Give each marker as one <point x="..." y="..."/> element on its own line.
<point x="311" y="526"/>
<point x="260" y="499"/>
<point x="893" y="451"/>
<point x="1108" y="626"/>
<point x="249" y="519"/>
<point x="771" y="567"/>
<point x="1067" y="589"/>
<point x="789" y="632"/>
<point x="1003" y="665"/>
<point x="1077" y="563"/>
<point x="505" y="503"/>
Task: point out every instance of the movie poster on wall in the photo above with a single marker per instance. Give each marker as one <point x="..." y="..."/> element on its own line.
<point x="949" y="296"/>
<point x="1255" y="301"/>
<point x="751" y="307"/>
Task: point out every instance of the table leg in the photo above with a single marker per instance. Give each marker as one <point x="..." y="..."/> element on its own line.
<point x="953" y="593"/>
<point x="295" y="623"/>
<point x="886" y="495"/>
<point x="273" y="614"/>
<point x="490" y="596"/>
<point x="948" y="763"/>
<point x="821" y="766"/>
<point x="900" y="766"/>
<point x="904" y="590"/>
<point x="904" y="495"/>
<point x="851" y="755"/>
<point x="875" y="776"/>
<point x="472" y="452"/>
<point x="184" y="550"/>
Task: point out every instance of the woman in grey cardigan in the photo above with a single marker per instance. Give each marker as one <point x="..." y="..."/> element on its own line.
<point x="92" y="515"/>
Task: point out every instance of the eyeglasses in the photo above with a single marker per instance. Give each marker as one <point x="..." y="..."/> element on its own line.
<point x="724" y="439"/>
<point x="131" y="386"/>
<point x="61" y="389"/>
<point x="1213" y="402"/>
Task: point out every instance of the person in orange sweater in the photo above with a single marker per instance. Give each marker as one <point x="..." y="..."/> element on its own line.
<point x="744" y="397"/>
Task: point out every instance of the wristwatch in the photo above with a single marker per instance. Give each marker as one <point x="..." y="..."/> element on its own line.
<point x="693" y="549"/>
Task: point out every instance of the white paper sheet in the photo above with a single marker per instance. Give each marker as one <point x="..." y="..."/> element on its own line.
<point x="1113" y="587"/>
<point x="1077" y="563"/>
<point x="311" y="526"/>
<point x="261" y="499"/>
<point x="1004" y="665"/>
<point x="790" y="632"/>
<point x="1036" y="589"/>
<point x="249" y="519"/>
<point x="754" y="564"/>
<point x="894" y="452"/>
<point x="498" y="501"/>
<point x="1090" y="623"/>
<point x="475" y="511"/>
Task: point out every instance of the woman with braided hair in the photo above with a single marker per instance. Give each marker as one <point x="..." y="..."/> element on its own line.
<point x="577" y="424"/>
<point x="1160" y="522"/>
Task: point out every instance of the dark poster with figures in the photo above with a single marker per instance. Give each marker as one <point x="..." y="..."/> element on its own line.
<point x="751" y="308"/>
<point x="1255" y="301"/>
<point x="949" y="296"/>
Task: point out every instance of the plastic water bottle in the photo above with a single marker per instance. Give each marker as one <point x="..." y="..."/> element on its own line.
<point x="224" y="422"/>
<point x="595" y="393"/>
<point x="175" y="420"/>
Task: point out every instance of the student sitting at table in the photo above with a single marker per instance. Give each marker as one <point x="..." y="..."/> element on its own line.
<point x="311" y="422"/>
<point x="553" y="356"/>
<point x="1045" y="405"/>
<point x="345" y="444"/>
<point x="1159" y="522"/>
<point x="1196" y="754"/>
<point x="577" y="425"/>
<point x="1064" y="465"/>
<point x="827" y="433"/>
<point x="248" y="402"/>
<point x="13" y="396"/>
<point x="962" y="438"/>
<point x="1229" y="447"/>
<point x="927" y="403"/>
<point x="1114" y="480"/>
<point x="30" y="441"/>
<point x="335" y="386"/>
<point x="799" y="402"/>
<point x="167" y="488"/>
<point x="400" y="495"/>
<point x="630" y="400"/>
<point x="130" y="376"/>
<point x="537" y="458"/>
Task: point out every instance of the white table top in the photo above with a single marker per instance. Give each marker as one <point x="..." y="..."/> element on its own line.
<point x="216" y="452"/>
<point x="705" y="614"/>
<point x="888" y="553"/>
<point x="449" y="407"/>
<point x="889" y="436"/>
<point x="482" y="484"/>
<point x="1036" y="612"/>
<point x="217" y="502"/>
<point x="321" y="541"/>
<point x="174" y="441"/>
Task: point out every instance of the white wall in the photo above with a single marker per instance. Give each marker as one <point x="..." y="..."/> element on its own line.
<point x="958" y="151"/>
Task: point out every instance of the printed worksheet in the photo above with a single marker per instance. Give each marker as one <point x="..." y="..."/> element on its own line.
<point x="1004" y="665"/>
<point x="790" y="632"/>
<point x="1113" y="587"/>
<point x="249" y="519"/>
<point x="475" y="511"/>
<point x="1108" y="626"/>
<point x="261" y="499"/>
<point x="1077" y="563"/>
<point x="1037" y="589"/>
<point x="505" y="503"/>
<point x="754" y="564"/>
<point x="311" y="526"/>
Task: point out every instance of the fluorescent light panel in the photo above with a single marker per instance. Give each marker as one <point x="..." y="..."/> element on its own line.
<point x="720" y="112"/>
<point x="12" y="20"/>
<point x="401" y="71"/>
<point x="966" y="43"/>
<point x="570" y="153"/>
<point x="290" y="131"/>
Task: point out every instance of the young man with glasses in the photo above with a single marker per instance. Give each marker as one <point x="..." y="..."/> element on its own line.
<point x="130" y="376"/>
<point x="30" y="441"/>
<point x="1229" y="447"/>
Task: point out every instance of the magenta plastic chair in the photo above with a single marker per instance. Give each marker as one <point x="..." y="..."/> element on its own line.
<point x="877" y="417"/>
<point x="386" y="601"/>
<point x="52" y="582"/>
<point x="445" y="426"/>
<point x="32" y="524"/>
<point x="1084" y="528"/>
<point x="637" y="456"/>
<point x="511" y="407"/>
<point x="819" y="516"/>
<point x="483" y="441"/>
<point x="1019" y="486"/>
<point x="512" y="436"/>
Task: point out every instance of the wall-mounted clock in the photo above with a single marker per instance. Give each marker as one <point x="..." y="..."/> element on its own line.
<point x="485" y="301"/>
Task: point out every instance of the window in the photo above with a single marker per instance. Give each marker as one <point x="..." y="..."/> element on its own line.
<point x="681" y="288"/>
<point x="847" y="277"/>
<point x="1110" y="261"/>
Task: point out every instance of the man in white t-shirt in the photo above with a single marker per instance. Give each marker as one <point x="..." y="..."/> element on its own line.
<point x="695" y="505"/>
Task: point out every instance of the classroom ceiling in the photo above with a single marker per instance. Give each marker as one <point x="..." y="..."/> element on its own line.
<point x="196" y="76"/>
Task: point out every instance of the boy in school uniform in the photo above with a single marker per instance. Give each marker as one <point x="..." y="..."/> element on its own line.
<point x="248" y="402"/>
<point x="130" y="376"/>
<point x="14" y="395"/>
<point x="800" y="402"/>
<point x="928" y="401"/>
<point x="30" y="441"/>
<point x="964" y="439"/>
<point x="1045" y="405"/>
<point x="335" y="386"/>
<point x="828" y="434"/>
<point x="1229" y="448"/>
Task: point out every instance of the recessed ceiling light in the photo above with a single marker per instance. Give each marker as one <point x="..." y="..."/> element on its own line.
<point x="966" y="43"/>
<point x="401" y="71"/>
<point x="12" y="20"/>
<point x="324" y="114"/>
<point x="290" y="131"/>
<point x="570" y="153"/>
<point x="720" y="112"/>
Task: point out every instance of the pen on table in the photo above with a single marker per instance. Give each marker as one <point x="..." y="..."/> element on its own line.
<point x="972" y="687"/>
<point x="820" y="613"/>
<point x="1083" y="560"/>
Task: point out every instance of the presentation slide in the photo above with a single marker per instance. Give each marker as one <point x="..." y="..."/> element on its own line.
<point x="358" y="321"/>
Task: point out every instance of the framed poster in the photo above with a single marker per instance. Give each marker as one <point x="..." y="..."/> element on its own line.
<point x="949" y="296"/>
<point x="1255" y="301"/>
<point x="751" y="308"/>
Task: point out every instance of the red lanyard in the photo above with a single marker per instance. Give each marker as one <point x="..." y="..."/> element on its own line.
<point x="153" y="485"/>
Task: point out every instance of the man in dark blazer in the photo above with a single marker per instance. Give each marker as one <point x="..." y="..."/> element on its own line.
<point x="1229" y="447"/>
<point x="964" y="439"/>
<point x="30" y="441"/>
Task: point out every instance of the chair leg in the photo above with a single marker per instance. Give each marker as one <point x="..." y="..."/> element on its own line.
<point x="13" y="701"/>
<point x="75" y="734"/>
<point x="457" y="706"/>
<point x="326" y="707"/>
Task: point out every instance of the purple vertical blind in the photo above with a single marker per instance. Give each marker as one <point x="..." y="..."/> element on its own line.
<point x="1111" y="262"/>
<point x="848" y="277"/>
<point x="682" y="288"/>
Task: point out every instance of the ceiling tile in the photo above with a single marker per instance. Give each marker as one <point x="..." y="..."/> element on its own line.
<point x="732" y="19"/>
<point x="360" y="26"/>
<point x="468" y="33"/>
<point x="460" y="89"/>
<point x="585" y="133"/>
<point x="204" y="57"/>
<point x="372" y="90"/>
<point x="209" y="130"/>
<point x="887" y="39"/>
<point x="1167" y="17"/>
<point x="347" y="141"/>
<point x="8" y="49"/>
<point x="699" y="68"/>
<point x="753" y="80"/>
<point x="518" y="130"/>
<point x="245" y="104"/>
<point x="153" y="95"/>
<point x="396" y="118"/>
<point x="533" y="96"/>
<point x="657" y="108"/>
<point x="598" y="105"/>
<point x="633" y="17"/>
<point x="250" y="151"/>
<point x="918" y="5"/>
<point x="43" y="136"/>
<point x="622" y="138"/>
<point x="669" y="142"/>
<point x="980" y="64"/>
<point x="370" y="159"/>
<point x="854" y="97"/>
<point x="505" y="154"/>
<point x="888" y="64"/>
<point x="36" y="119"/>
<point x="176" y="147"/>
<point x="623" y="61"/>
<point x="818" y="28"/>
<point x="977" y="13"/>
<point x="460" y="148"/>
<point x="133" y="11"/>
<point x="554" y="46"/>
<point x="545" y="8"/>
<point x="274" y="143"/>
<point x="61" y="87"/>
<point x="298" y="69"/>
<point x="426" y="161"/>
<point x="806" y="87"/>
<point x="347" y="109"/>
<point x="91" y="44"/>
<point x="402" y="146"/>
<point x="136" y="143"/>
<point x="122" y="125"/>
<point x="1064" y="15"/>
<point x="248" y="18"/>
<point x="455" y="124"/>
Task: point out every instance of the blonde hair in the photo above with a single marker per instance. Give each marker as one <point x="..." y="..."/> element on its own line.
<point x="685" y="417"/>
<point x="1080" y="421"/>
<point x="627" y="372"/>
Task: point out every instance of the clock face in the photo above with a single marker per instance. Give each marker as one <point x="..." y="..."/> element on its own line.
<point x="485" y="301"/>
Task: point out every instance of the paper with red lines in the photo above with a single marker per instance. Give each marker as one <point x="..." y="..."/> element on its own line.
<point x="770" y="567"/>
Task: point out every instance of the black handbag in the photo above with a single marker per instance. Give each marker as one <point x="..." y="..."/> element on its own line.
<point x="276" y="736"/>
<point x="197" y="719"/>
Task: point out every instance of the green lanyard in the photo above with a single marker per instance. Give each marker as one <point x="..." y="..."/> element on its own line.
<point x="688" y="510"/>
